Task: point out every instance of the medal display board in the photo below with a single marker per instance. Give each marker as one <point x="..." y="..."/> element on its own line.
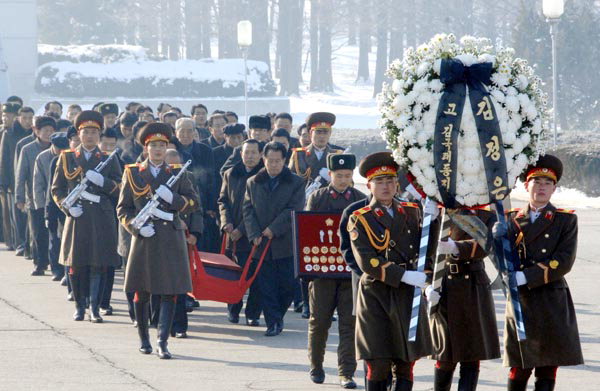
<point x="317" y="246"/>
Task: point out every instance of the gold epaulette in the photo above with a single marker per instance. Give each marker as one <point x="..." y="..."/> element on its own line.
<point x="68" y="151"/>
<point x="176" y="165"/>
<point x="410" y="204"/>
<point x="69" y="175"/>
<point x="299" y="149"/>
<point x="132" y="165"/>
<point x="336" y="151"/>
<point x="361" y="211"/>
<point x="570" y="211"/>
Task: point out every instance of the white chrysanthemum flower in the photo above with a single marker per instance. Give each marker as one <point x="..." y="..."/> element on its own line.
<point x="436" y="85"/>
<point x="512" y="103"/>
<point x="397" y="86"/>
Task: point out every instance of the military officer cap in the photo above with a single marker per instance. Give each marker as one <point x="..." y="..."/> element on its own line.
<point x="60" y="140"/>
<point x="155" y="131"/>
<point x="11" y="107"/>
<point x="109" y="108"/>
<point x="259" y="122"/>
<point x="341" y="161"/>
<point x="128" y="119"/>
<point x="89" y="119"/>
<point x="45" y="120"/>
<point x="234" y="129"/>
<point x="378" y="164"/>
<point x="548" y="166"/>
<point x="320" y="120"/>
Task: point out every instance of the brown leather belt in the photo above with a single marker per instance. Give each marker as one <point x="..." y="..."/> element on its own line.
<point x="464" y="267"/>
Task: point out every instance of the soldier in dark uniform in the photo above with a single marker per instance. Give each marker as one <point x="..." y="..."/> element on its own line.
<point x="310" y="163"/>
<point x="464" y="326"/>
<point x="271" y="197"/>
<point x="385" y="238"/>
<point x="90" y="218"/>
<point x="546" y="240"/>
<point x="110" y="113"/>
<point x="194" y="226"/>
<point x="260" y="130"/>
<point x="327" y="294"/>
<point x="158" y="260"/>
<point x="232" y="223"/>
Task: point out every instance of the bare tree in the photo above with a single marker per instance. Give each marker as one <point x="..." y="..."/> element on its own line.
<point x="325" y="72"/>
<point x="315" y="81"/>
<point x="227" y="18"/>
<point x="290" y="35"/>
<point x="382" y="45"/>
<point x="364" y="42"/>
<point x="173" y="29"/>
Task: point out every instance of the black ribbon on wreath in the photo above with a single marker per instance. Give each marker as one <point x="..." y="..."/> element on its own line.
<point x="456" y="77"/>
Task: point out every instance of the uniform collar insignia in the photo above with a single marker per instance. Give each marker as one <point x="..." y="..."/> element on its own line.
<point x="378" y="212"/>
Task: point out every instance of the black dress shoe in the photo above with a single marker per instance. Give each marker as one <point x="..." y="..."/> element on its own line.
<point x="56" y="278"/>
<point x="106" y="311"/>
<point x="181" y="335"/>
<point x="20" y="251"/>
<point x="70" y="297"/>
<point x="95" y="318"/>
<point x="298" y="307"/>
<point x="272" y="331"/>
<point x="37" y="272"/>
<point x="196" y="304"/>
<point x="252" y="322"/>
<point x="232" y="318"/>
<point x="79" y="315"/>
<point x="347" y="382"/>
<point x="63" y="281"/>
<point x="317" y="375"/>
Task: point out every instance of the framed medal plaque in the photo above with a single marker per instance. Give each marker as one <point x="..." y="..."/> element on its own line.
<point x="317" y="245"/>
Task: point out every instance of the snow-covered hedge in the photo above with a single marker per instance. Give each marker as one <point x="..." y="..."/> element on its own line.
<point x="104" y="54"/>
<point x="150" y="79"/>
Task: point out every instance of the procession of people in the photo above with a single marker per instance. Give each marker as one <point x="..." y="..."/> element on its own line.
<point x="103" y="190"/>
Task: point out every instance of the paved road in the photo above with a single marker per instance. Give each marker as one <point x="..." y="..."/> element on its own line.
<point x="41" y="348"/>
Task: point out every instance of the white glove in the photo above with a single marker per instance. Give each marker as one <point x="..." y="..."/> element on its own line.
<point x="521" y="279"/>
<point x="414" y="278"/>
<point x="95" y="177"/>
<point x="76" y="211"/>
<point x="432" y="295"/>
<point x="431" y="208"/>
<point x="147" y="231"/>
<point x="324" y="173"/>
<point x="164" y="193"/>
<point x="449" y="247"/>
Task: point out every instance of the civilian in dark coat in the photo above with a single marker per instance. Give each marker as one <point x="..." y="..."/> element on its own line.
<point x="271" y="197"/>
<point x="230" y="202"/>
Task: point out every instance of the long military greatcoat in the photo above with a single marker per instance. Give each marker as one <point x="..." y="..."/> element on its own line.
<point x="158" y="264"/>
<point x="384" y="304"/>
<point x="305" y="163"/>
<point x="464" y="327"/>
<point x="90" y="239"/>
<point x="547" y="249"/>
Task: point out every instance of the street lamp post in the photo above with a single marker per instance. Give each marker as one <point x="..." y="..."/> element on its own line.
<point x="244" y="36"/>
<point x="553" y="10"/>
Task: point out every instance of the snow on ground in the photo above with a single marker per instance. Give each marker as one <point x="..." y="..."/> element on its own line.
<point x="351" y="102"/>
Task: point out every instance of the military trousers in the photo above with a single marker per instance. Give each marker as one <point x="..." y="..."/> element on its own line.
<point x="325" y="295"/>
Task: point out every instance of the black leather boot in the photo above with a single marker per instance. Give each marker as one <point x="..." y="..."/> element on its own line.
<point x="96" y="288"/>
<point x="468" y="378"/>
<point x="544" y="384"/>
<point x="442" y="380"/>
<point x="376" y="385"/>
<point x="401" y="384"/>
<point x="165" y="320"/>
<point x="78" y="296"/>
<point x="141" y="316"/>
<point x="516" y="385"/>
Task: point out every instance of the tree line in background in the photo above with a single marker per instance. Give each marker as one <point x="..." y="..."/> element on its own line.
<point x="294" y="35"/>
